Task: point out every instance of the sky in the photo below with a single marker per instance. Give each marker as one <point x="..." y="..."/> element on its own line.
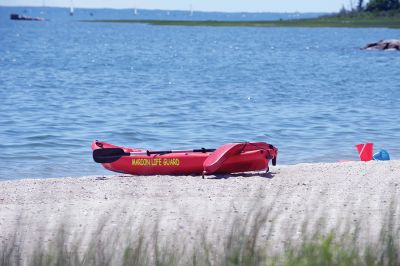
<point x="198" y="5"/>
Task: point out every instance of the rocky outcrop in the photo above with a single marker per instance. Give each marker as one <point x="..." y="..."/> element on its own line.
<point x="384" y="45"/>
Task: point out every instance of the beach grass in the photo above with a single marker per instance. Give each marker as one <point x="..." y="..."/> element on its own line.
<point x="364" y="20"/>
<point x="247" y="242"/>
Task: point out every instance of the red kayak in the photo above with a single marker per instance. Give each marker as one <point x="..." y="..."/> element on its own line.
<point x="229" y="158"/>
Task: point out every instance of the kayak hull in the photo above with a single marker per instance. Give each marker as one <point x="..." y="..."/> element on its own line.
<point x="186" y="163"/>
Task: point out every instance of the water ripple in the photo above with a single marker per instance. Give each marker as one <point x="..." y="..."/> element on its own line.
<point x="309" y="92"/>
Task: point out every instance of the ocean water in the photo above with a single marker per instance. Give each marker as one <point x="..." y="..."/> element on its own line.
<point x="310" y="91"/>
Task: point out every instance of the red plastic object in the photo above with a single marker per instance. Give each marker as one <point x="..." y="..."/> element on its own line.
<point x="217" y="158"/>
<point x="234" y="157"/>
<point x="230" y="158"/>
<point x="365" y="151"/>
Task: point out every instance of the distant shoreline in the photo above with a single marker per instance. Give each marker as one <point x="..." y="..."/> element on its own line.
<point x="322" y="22"/>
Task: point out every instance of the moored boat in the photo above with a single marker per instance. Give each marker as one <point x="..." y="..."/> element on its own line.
<point x="23" y="17"/>
<point x="229" y="158"/>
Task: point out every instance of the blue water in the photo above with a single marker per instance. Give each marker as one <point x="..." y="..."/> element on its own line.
<point x="311" y="92"/>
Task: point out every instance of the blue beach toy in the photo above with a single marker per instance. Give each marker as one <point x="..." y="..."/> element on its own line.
<point x="383" y="155"/>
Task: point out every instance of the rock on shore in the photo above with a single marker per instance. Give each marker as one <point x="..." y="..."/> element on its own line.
<point x="384" y="45"/>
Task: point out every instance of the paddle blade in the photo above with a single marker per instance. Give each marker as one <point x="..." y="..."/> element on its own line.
<point x="108" y="155"/>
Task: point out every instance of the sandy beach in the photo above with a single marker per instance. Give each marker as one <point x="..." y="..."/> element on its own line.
<point x="338" y="192"/>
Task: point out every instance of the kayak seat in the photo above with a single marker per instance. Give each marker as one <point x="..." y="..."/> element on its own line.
<point x="219" y="156"/>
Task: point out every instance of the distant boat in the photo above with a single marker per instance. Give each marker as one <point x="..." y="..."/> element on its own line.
<point x="191" y="10"/>
<point x="135" y="11"/>
<point x="43" y="6"/>
<point x="23" y="17"/>
<point x="71" y="9"/>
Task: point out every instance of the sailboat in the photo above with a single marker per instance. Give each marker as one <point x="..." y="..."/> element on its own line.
<point x="43" y="6"/>
<point x="191" y="10"/>
<point x="135" y="12"/>
<point x="71" y="9"/>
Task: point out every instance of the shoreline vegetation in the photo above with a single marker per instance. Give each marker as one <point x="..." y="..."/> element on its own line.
<point x="388" y="19"/>
<point x="374" y="14"/>
<point x="247" y="241"/>
<point x="359" y="21"/>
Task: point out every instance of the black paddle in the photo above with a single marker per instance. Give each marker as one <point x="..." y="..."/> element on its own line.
<point x="109" y="155"/>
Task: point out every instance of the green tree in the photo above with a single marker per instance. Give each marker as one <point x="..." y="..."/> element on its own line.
<point x="393" y="4"/>
<point x="383" y="5"/>
<point x="360" y="5"/>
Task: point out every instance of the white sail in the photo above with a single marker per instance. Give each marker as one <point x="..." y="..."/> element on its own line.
<point x="135" y="12"/>
<point x="43" y="6"/>
<point x="71" y="9"/>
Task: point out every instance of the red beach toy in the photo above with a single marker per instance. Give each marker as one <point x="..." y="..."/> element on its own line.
<point x="365" y="151"/>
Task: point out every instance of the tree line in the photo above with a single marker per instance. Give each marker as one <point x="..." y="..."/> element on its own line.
<point x="378" y="5"/>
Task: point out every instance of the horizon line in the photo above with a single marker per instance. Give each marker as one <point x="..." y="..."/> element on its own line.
<point x="180" y="10"/>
